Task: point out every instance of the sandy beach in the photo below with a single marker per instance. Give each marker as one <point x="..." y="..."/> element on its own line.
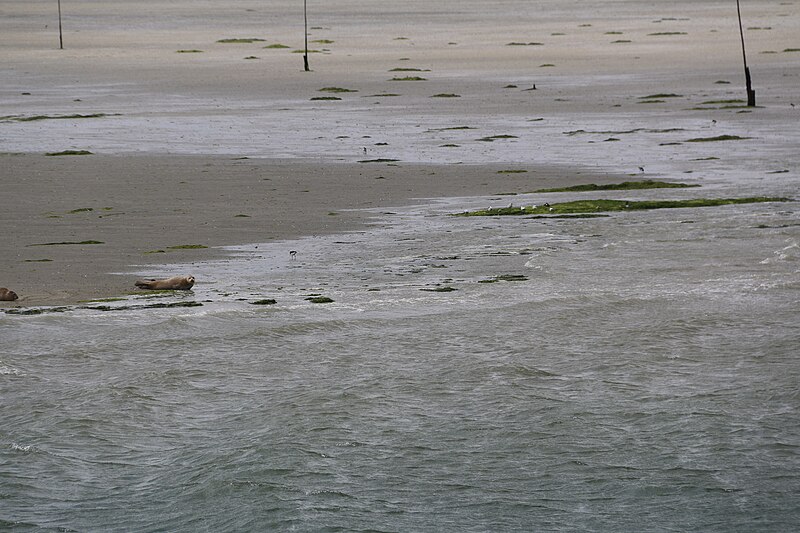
<point x="191" y="140"/>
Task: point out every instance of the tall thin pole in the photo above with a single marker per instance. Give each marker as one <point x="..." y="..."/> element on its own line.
<point x="305" y="30"/>
<point x="60" y="34"/>
<point x="751" y="94"/>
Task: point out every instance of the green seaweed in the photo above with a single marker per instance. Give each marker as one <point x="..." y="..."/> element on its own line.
<point x="493" y="138"/>
<point x="187" y="247"/>
<point x="38" y="261"/>
<point x="446" y="95"/>
<point x="409" y="78"/>
<point x="70" y="152"/>
<point x="336" y="90"/>
<point x="624" y="186"/>
<point x="246" y="40"/>
<point x="191" y="51"/>
<point x="595" y="206"/>
<point x="319" y="299"/>
<point x="660" y="95"/>
<point x="33" y="118"/>
<point x="276" y="46"/>
<point x="266" y="301"/>
<point x="80" y="210"/>
<point x="512" y="171"/>
<point x="440" y="289"/>
<point x="66" y="243"/>
<point x="505" y="277"/>
<point x="409" y="69"/>
<point x="324" y="98"/>
<point x="717" y="138"/>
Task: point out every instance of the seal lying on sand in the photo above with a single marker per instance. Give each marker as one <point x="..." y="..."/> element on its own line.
<point x="7" y="295"/>
<point x="180" y="283"/>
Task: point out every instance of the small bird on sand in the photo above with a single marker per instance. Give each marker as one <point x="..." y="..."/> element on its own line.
<point x="641" y="169"/>
<point x="293" y="254"/>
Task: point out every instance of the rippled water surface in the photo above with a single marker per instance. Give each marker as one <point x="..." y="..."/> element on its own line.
<point x="640" y="373"/>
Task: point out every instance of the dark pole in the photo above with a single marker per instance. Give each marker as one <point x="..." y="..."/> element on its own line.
<point x="60" y="35"/>
<point x="751" y="94"/>
<point x="305" y="29"/>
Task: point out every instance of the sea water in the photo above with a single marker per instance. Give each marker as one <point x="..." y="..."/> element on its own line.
<point x="623" y="373"/>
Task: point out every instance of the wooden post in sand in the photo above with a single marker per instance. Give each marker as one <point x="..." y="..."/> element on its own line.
<point x="305" y="29"/>
<point x="751" y="94"/>
<point x="60" y="35"/>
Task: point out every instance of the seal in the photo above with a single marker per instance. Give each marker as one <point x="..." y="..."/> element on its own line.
<point x="179" y="283"/>
<point x="7" y="295"/>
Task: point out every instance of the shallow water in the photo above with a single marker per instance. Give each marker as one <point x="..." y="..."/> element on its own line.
<point x="643" y="374"/>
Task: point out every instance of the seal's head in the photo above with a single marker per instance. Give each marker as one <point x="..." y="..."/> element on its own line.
<point x="7" y="295"/>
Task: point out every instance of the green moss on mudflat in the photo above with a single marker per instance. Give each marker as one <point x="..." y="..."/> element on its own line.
<point x="70" y="152"/>
<point x="267" y="301"/>
<point x="380" y="160"/>
<point x="80" y="210"/>
<point x="187" y="247"/>
<point x="276" y="46"/>
<point x="336" y="90"/>
<point x="319" y="299"/>
<point x="512" y="171"/>
<point x="66" y="243"/>
<point x="624" y="186"/>
<point x="660" y="95"/>
<point x="440" y="289"/>
<point x="716" y="139"/>
<point x="192" y="51"/>
<point x="598" y="206"/>
<point x="505" y="277"/>
<point x="329" y="98"/>
<point x="493" y="138"/>
<point x="408" y="69"/>
<point x="446" y="95"/>
<point x="246" y="40"/>
<point x="33" y="118"/>
<point x="409" y="78"/>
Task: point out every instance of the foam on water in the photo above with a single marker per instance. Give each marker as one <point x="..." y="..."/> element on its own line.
<point x="618" y="382"/>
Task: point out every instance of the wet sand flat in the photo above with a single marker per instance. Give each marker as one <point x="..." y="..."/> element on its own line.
<point x="191" y="140"/>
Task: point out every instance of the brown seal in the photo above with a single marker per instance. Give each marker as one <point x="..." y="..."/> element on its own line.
<point x="180" y="283"/>
<point x="7" y="295"/>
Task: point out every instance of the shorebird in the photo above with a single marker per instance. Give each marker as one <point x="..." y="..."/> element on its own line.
<point x="641" y="169"/>
<point x="293" y="254"/>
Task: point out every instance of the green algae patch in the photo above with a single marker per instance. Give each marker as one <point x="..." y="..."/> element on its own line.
<point x="155" y="252"/>
<point x="266" y="301"/>
<point x="440" y="289"/>
<point x="36" y="310"/>
<point x="660" y="95"/>
<point x="38" y="261"/>
<point x="64" y="243"/>
<point x="319" y="299"/>
<point x="16" y="118"/>
<point x="493" y="138"/>
<point x="276" y="46"/>
<point x="336" y="90"/>
<point x="409" y="69"/>
<point x="409" y="78"/>
<point x="192" y="51"/>
<point x="624" y="186"/>
<point x="246" y="40"/>
<point x="446" y="95"/>
<point x="328" y="98"/>
<point x="716" y="139"/>
<point x="80" y="210"/>
<point x="187" y="247"/>
<point x="599" y="206"/>
<point x="512" y="171"/>
<point x="70" y="152"/>
<point x="380" y="160"/>
<point x="505" y="277"/>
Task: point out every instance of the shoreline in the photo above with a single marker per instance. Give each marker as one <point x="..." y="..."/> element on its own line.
<point x="150" y="210"/>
